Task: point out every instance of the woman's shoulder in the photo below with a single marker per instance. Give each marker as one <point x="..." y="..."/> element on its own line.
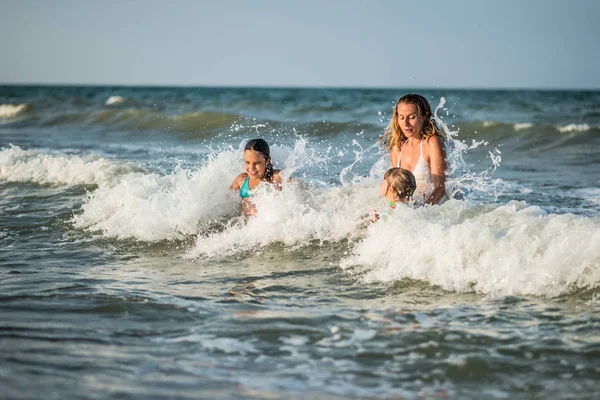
<point x="396" y="148"/>
<point x="435" y="141"/>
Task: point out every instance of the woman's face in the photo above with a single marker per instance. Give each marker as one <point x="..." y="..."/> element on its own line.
<point x="409" y="120"/>
<point x="255" y="164"/>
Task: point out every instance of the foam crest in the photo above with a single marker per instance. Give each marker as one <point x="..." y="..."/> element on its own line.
<point x="512" y="249"/>
<point x="574" y="128"/>
<point x="114" y="100"/>
<point x="11" y="110"/>
<point x="154" y="207"/>
<point x="17" y="165"/>
<point x="522" y="126"/>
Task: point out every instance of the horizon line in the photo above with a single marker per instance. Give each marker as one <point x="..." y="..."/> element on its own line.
<point x="307" y="87"/>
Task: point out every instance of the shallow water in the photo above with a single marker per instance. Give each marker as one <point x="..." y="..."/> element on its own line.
<point x="127" y="272"/>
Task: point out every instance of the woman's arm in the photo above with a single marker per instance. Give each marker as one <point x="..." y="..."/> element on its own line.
<point x="438" y="165"/>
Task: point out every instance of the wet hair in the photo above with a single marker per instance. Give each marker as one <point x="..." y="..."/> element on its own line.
<point x="393" y="135"/>
<point x="401" y="181"/>
<point x="262" y="147"/>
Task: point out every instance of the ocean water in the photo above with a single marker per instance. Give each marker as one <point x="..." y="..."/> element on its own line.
<point x="126" y="270"/>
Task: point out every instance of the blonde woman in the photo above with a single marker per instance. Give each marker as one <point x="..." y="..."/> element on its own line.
<point x="416" y="144"/>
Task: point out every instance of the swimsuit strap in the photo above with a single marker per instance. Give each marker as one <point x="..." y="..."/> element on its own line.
<point x="400" y="156"/>
<point x="402" y="149"/>
<point x="245" y="189"/>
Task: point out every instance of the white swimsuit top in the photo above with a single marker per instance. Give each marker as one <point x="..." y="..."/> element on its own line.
<point x="422" y="173"/>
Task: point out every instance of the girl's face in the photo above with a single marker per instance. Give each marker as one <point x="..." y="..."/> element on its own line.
<point x="255" y="164"/>
<point x="386" y="191"/>
<point x="409" y="120"/>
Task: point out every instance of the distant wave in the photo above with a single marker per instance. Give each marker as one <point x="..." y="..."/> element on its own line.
<point x="146" y="119"/>
<point x="522" y="126"/>
<point x="149" y="119"/>
<point x="488" y="124"/>
<point x="114" y="100"/>
<point x="11" y="110"/>
<point x="574" y="128"/>
<point x="485" y="128"/>
<point x="17" y="165"/>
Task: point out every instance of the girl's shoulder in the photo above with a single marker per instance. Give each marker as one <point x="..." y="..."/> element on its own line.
<point x="276" y="176"/>
<point x="239" y="180"/>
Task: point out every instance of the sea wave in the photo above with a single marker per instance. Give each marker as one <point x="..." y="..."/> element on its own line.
<point x="461" y="246"/>
<point x="529" y="133"/>
<point x="153" y="207"/>
<point x="12" y="110"/>
<point x="574" y="128"/>
<point x="18" y="165"/>
<point x="522" y="126"/>
<point x="511" y="249"/>
<point x="115" y="100"/>
<point x="182" y="203"/>
<point x="144" y="119"/>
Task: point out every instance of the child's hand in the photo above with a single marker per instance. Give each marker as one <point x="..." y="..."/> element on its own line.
<point x="375" y="215"/>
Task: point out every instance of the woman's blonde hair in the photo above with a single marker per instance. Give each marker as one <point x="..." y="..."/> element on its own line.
<point x="393" y="135"/>
<point x="401" y="181"/>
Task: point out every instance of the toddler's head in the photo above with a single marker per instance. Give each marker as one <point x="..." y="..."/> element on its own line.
<point x="398" y="184"/>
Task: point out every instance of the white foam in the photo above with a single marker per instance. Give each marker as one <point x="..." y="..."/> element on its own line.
<point x="574" y="128"/>
<point x="153" y="207"/>
<point x="11" y="110"/>
<point x="498" y="250"/>
<point x="17" y="165"/>
<point x="490" y="124"/>
<point x="522" y="126"/>
<point x="294" y="216"/>
<point x="114" y="100"/>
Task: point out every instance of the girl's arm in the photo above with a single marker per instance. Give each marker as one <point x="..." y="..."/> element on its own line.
<point x="438" y="165"/>
<point x="277" y="180"/>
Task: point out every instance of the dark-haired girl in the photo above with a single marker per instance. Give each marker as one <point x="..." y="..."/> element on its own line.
<point x="258" y="167"/>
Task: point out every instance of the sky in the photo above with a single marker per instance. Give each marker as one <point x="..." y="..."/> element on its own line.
<point x="538" y="44"/>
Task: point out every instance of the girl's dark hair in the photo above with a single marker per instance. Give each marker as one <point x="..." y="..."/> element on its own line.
<point x="262" y="147"/>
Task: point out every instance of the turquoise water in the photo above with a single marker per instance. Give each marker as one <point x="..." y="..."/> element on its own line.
<point x="126" y="271"/>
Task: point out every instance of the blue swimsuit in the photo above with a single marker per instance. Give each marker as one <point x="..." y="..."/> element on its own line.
<point x="245" y="189"/>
